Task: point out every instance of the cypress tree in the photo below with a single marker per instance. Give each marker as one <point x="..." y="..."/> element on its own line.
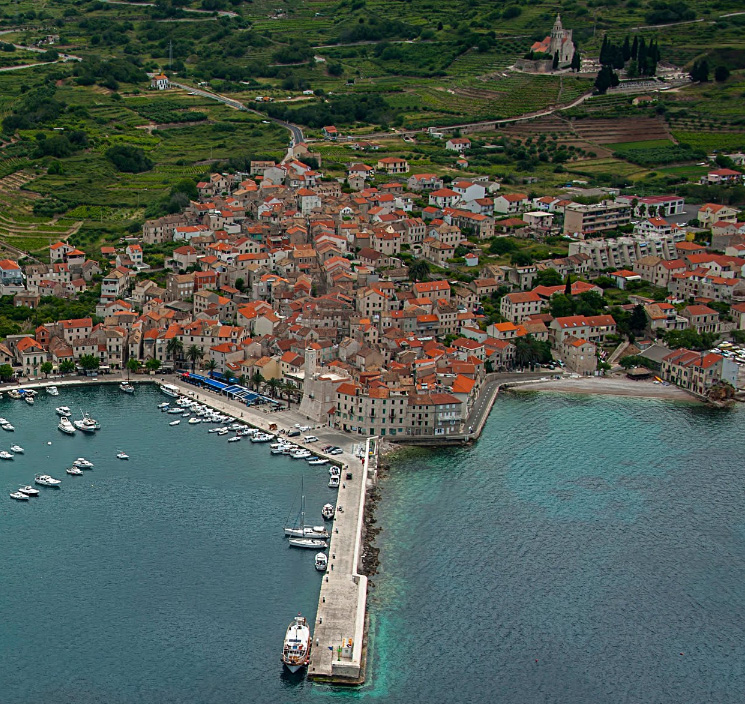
<point x="576" y="61"/>
<point x="642" y="57"/>
<point x="635" y="48"/>
<point x="555" y="64"/>
<point x="626" y="49"/>
<point x="604" y="50"/>
<point x="568" y="287"/>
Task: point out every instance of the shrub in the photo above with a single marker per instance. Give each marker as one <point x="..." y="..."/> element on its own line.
<point x="129" y="159"/>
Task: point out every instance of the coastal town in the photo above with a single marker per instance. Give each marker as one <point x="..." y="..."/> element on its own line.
<point x="370" y="307"/>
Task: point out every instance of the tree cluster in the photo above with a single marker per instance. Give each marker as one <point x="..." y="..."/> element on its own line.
<point x="642" y="58"/>
<point x="128" y="158"/>
<point x="343" y="109"/>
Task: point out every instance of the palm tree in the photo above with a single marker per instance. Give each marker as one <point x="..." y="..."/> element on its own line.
<point x="67" y="366"/>
<point x="242" y="379"/>
<point x="193" y="354"/>
<point x="274" y="385"/>
<point x="257" y="379"/>
<point x="175" y="348"/>
<point x="419" y="270"/>
<point x="210" y="365"/>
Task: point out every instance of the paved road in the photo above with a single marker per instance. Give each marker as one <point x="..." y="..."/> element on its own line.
<point x="221" y="13"/>
<point x="295" y="131"/>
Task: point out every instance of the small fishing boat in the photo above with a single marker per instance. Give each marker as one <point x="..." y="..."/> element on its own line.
<point x="334" y="482"/>
<point x="300" y="454"/>
<point x="334" y="471"/>
<point x="46" y="480"/>
<point x="17" y="449"/>
<point x="29" y="491"/>
<point x="174" y="411"/>
<point x="223" y="431"/>
<point x="322" y="561"/>
<point x="29" y="399"/>
<point x="83" y="463"/>
<point x="328" y="512"/>
<point x="75" y="471"/>
<point x="63" y="411"/>
<point x="235" y="439"/>
<point x="163" y="406"/>
<point x="52" y="391"/>
<point x="83" y="426"/>
<point x="15" y="394"/>
<point x="169" y="390"/>
<point x="126" y="387"/>
<point x="174" y="422"/>
<point x="316" y="461"/>
<point x="5" y="455"/>
<point x="19" y="496"/>
<point x="262" y="437"/>
<point x="194" y="421"/>
<point x="8" y="427"/>
<point x="122" y="455"/>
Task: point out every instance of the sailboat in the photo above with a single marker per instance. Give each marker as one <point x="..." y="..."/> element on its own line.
<point x="300" y="530"/>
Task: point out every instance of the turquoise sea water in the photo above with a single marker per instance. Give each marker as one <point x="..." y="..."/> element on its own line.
<point x="586" y="549"/>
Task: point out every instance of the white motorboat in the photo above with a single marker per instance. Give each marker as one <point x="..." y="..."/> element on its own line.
<point x="66" y="426"/>
<point x="297" y="644"/>
<point x="194" y="421"/>
<point x="29" y="491"/>
<point x="75" y="471"/>
<point x="8" y="427"/>
<point x="262" y="437"/>
<point x="335" y="471"/>
<point x="15" y="394"/>
<point x="122" y="455"/>
<point x="17" y="449"/>
<point x="46" y="480"/>
<point x="309" y="543"/>
<point x="63" y="411"/>
<point x="278" y="451"/>
<point x="28" y="399"/>
<point x="83" y="463"/>
<point x="223" y="431"/>
<point x="5" y="455"/>
<point x="169" y="390"/>
<point x="213" y="430"/>
<point x="235" y="426"/>
<point x="316" y="461"/>
<point x="174" y="411"/>
<point x="91" y="422"/>
<point x="163" y="406"/>
<point x="19" y="496"/>
<point x="235" y="438"/>
<point x="244" y="431"/>
<point x="52" y="391"/>
<point x="328" y="512"/>
<point x="334" y="482"/>
<point x="322" y="561"/>
<point x="174" y="422"/>
<point x="126" y="387"/>
<point x="300" y="455"/>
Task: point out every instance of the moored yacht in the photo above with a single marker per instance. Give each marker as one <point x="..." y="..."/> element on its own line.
<point x="7" y="426"/>
<point x="174" y="422"/>
<point x="46" y="480"/>
<point x="126" y="387"/>
<point x="52" y="391"/>
<point x="296" y="648"/>
<point x="5" y="455"/>
<point x="66" y="426"/>
<point x="17" y="449"/>
<point x="19" y="496"/>
<point x="63" y="411"/>
<point x="83" y="463"/>
<point x="122" y="455"/>
<point x="310" y="543"/>
<point x="84" y="426"/>
<point x="29" y="491"/>
<point x="75" y="471"/>
<point x="307" y="532"/>
<point x="169" y="390"/>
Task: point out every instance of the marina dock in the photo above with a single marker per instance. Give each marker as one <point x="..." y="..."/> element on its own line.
<point x="339" y="646"/>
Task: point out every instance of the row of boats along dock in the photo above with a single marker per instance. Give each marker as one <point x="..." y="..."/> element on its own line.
<point x="332" y="649"/>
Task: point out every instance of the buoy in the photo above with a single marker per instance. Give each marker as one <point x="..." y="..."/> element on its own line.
<point x="49" y="443"/>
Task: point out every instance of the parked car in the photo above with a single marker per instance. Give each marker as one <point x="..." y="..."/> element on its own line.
<point x="310" y="438"/>
<point x="293" y="434"/>
<point x="336" y="451"/>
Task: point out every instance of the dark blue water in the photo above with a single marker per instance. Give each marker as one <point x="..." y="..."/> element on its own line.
<point x="163" y="579"/>
<point x="585" y="550"/>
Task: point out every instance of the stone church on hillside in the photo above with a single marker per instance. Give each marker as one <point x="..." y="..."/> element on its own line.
<point x="560" y="41"/>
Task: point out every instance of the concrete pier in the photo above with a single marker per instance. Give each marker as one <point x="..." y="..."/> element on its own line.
<point x="338" y="654"/>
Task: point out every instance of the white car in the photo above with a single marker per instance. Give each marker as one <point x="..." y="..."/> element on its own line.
<point x="310" y="438"/>
<point x="304" y="428"/>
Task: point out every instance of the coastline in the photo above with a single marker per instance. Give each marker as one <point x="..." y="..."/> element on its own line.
<point x="608" y="386"/>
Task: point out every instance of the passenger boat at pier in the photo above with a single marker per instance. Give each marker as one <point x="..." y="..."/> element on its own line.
<point x="296" y="649"/>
